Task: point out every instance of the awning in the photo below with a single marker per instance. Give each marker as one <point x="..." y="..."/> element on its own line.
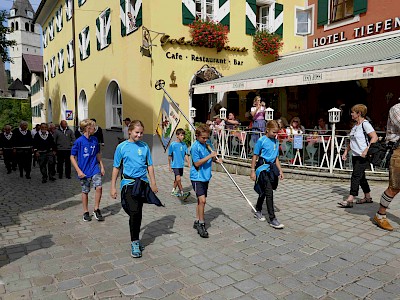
<point x="375" y="57"/>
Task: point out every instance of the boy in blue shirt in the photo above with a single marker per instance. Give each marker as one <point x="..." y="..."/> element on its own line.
<point x="266" y="171"/>
<point x="89" y="167"/>
<point x="177" y="153"/>
<point x="200" y="174"/>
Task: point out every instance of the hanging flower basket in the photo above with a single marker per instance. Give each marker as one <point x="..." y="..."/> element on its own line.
<point x="267" y="43"/>
<point x="209" y="34"/>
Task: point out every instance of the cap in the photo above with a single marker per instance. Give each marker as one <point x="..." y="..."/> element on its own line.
<point x="127" y="119"/>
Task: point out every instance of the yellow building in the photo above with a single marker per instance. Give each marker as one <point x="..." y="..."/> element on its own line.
<point x="111" y="78"/>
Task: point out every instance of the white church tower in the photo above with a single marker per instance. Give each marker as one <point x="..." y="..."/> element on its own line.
<point x="25" y="33"/>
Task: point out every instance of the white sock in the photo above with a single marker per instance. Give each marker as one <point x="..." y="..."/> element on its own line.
<point x="380" y="217"/>
<point x="173" y="190"/>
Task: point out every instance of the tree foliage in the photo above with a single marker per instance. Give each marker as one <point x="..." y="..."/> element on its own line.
<point x="13" y="111"/>
<point x="4" y="43"/>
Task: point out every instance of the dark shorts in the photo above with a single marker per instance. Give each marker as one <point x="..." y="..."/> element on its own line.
<point x="178" y="171"/>
<point x="200" y="188"/>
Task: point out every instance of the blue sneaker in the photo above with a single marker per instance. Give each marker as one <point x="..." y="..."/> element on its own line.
<point x="135" y="249"/>
<point x="275" y="223"/>
<point x="141" y="247"/>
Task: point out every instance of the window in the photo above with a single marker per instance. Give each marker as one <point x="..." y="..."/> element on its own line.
<point x="29" y="14"/>
<point x="84" y="43"/>
<point x="61" y="61"/>
<point x="82" y="106"/>
<point x="12" y="26"/>
<point x="35" y="88"/>
<point x="49" y="111"/>
<point x="303" y="21"/>
<point x="26" y="26"/>
<point x="70" y="54"/>
<point x="103" y="30"/>
<point x="12" y="13"/>
<point x="341" y="9"/>
<point x="264" y="18"/>
<point x="68" y="9"/>
<point x="205" y="9"/>
<point x="16" y="25"/>
<point x="33" y="27"/>
<point x="63" y="107"/>
<point x="113" y="105"/>
<point x="53" y="67"/>
<point x="44" y="37"/>
<point x="51" y="29"/>
<point x="59" y="19"/>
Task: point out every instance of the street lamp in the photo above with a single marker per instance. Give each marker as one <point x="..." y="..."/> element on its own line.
<point x="222" y="113"/>
<point x="269" y="114"/>
<point x="334" y="117"/>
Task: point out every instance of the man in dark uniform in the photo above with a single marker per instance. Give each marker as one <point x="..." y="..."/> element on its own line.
<point x="6" y="144"/>
<point x="23" y="141"/>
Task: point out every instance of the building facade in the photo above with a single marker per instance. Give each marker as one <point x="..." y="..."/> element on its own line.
<point x="26" y="34"/>
<point x="119" y="49"/>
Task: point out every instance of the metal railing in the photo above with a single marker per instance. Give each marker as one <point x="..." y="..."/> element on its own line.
<point x="313" y="152"/>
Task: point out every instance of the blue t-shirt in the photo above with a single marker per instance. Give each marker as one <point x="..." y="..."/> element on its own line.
<point x="268" y="149"/>
<point x="202" y="173"/>
<point x="178" y="151"/>
<point x="86" y="150"/>
<point x="136" y="157"/>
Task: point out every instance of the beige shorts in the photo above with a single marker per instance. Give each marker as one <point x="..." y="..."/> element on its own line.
<point x="394" y="170"/>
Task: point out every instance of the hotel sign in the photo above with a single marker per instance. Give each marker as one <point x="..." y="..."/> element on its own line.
<point x="359" y="32"/>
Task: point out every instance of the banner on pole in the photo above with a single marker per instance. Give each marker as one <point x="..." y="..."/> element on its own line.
<point x="168" y="120"/>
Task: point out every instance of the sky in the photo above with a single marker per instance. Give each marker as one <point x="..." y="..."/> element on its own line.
<point x="7" y="4"/>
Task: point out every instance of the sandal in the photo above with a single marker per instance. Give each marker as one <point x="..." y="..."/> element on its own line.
<point x="364" y="200"/>
<point x="346" y="204"/>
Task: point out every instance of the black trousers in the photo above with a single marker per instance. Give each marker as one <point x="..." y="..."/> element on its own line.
<point x="9" y="159"/>
<point x="267" y="194"/>
<point x="46" y="161"/>
<point x="24" y="160"/>
<point x="135" y="208"/>
<point x="63" y="156"/>
<point x="360" y="164"/>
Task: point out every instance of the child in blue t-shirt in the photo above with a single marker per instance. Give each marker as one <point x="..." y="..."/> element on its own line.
<point x="89" y="167"/>
<point x="135" y="187"/>
<point x="200" y="174"/>
<point x="177" y="153"/>
<point x="265" y="170"/>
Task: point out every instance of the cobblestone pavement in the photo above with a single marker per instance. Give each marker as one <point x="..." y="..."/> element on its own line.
<point x="48" y="252"/>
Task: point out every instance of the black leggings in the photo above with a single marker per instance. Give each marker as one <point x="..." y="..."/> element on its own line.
<point x="358" y="175"/>
<point x="134" y="207"/>
<point x="268" y="194"/>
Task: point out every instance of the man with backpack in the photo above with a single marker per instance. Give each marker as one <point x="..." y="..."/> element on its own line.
<point x="392" y="135"/>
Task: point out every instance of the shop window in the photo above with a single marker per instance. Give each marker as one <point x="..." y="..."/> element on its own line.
<point x="341" y="9"/>
<point x="303" y="21"/>
<point x="205" y="9"/>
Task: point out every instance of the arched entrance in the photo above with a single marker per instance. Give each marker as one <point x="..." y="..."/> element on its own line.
<point x="49" y="112"/>
<point x="113" y="105"/>
<point x="203" y="102"/>
<point x="82" y="106"/>
<point x="63" y="107"/>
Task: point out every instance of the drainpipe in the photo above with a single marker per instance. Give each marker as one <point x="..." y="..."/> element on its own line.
<point x="75" y="77"/>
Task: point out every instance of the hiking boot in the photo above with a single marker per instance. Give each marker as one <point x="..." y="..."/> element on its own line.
<point x="383" y="223"/>
<point x="135" y="249"/>
<point x="259" y="216"/>
<point x="97" y="215"/>
<point x="87" y="217"/>
<point x="275" y="223"/>
<point x="195" y="224"/>
<point x="201" y="229"/>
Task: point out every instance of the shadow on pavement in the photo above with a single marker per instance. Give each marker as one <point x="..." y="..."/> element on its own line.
<point x="342" y="191"/>
<point x="64" y="205"/>
<point x="212" y="214"/>
<point x="370" y="209"/>
<point x="157" y="228"/>
<point x="112" y="209"/>
<point x="15" y="252"/>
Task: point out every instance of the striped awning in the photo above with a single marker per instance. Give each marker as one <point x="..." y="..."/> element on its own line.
<point x="375" y="57"/>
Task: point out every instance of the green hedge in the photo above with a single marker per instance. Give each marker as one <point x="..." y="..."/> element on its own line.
<point x="12" y="111"/>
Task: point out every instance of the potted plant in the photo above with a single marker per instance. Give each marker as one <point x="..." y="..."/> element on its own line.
<point x="267" y="43"/>
<point x="209" y="34"/>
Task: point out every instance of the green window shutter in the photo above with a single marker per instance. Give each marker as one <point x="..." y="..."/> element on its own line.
<point x="79" y="2"/>
<point x="98" y="33"/>
<point x="251" y="10"/>
<point x="188" y="12"/>
<point x="87" y="42"/>
<point x="224" y="14"/>
<point x="360" y="6"/>
<point x="322" y="18"/>
<point x="108" y="26"/>
<point x="80" y="46"/>
<point x="139" y="18"/>
<point x="279" y="19"/>
<point x="122" y="17"/>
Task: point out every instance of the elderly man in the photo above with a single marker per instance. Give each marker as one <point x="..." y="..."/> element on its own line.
<point x="23" y="141"/>
<point x="6" y="145"/>
<point x="64" y="138"/>
<point x="392" y="136"/>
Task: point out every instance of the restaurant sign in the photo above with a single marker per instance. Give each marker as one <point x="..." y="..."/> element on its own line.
<point x="359" y="32"/>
